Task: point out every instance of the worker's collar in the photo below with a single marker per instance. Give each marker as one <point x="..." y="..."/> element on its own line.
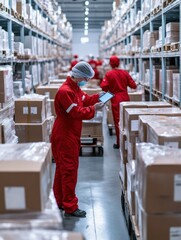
<point x="71" y="81"/>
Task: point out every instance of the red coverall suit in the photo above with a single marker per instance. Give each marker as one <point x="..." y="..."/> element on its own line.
<point x="116" y="81"/>
<point x="93" y="64"/>
<point x="72" y="106"/>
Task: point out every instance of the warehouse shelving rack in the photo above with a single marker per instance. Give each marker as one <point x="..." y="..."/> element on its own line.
<point x="13" y="22"/>
<point x="167" y="11"/>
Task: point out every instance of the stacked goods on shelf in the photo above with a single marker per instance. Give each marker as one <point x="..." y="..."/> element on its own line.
<point x="158" y="201"/>
<point x="25" y="165"/>
<point x="33" y="118"/>
<point x="7" y="128"/>
<point x="145" y="34"/>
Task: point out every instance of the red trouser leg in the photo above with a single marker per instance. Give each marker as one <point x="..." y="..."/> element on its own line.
<point x="66" y="177"/>
<point x="115" y="111"/>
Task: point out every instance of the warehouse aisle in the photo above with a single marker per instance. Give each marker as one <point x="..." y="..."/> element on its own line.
<point x="99" y="194"/>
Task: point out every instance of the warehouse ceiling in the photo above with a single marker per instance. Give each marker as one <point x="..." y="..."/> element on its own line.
<point x="97" y="12"/>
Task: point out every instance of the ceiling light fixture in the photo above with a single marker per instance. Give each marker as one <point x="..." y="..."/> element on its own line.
<point x="86" y="19"/>
<point x="86" y="3"/>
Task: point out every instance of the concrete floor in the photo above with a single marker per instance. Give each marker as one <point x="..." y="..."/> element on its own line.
<point x="99" y="193"/>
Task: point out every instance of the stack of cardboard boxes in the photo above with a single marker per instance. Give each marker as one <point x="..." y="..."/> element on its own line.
<point x="153" y="122"/>
<point x="33" y="119"/>
<point x="158" y="199"/>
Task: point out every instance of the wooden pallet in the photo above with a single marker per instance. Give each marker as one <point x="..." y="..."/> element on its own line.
<point x="129" y="219"/>
<point x="95" y="145"/>
<point x="174" y="47"/>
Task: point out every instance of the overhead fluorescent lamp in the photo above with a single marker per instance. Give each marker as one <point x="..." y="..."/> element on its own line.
<point x="84" y="40"/>
<point x="85" y="32"/>
<point x="86" y="3"/>
<point x="86" y="18"/>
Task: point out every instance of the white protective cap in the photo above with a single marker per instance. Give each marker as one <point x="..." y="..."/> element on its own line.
<point x="82" y="70"/>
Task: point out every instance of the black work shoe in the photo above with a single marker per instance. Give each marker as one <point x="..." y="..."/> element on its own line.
<point x="61" y="208"/>
<point x="115" y="146"/>
<point x="77" y="213"/>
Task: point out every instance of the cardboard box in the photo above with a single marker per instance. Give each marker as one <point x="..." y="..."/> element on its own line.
<point x="48" y="90"/>
<point x="50" y="218"/>
<point x="164" y="133"/>
<point x="33" y="132"/>
<point x="30" y="110"/>
<point x="91" y="129"/>
<point x="158" y="178"/>
<point x="136" y="96"/>
<point x="151" y="104"/>
<point x="132" y="116"/>
<point x="25" y="175"/>
<point x="163" y="226"/>
<point x="142" y="122"/>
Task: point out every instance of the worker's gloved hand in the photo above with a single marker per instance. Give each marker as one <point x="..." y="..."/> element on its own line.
<point x="101" y="93"/>
<point x="98" y="106"/>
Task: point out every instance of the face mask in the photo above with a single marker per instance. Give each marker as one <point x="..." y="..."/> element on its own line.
<point x="82" y="83"/>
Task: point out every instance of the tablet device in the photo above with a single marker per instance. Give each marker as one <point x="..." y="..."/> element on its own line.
<point x="106" y="97"/>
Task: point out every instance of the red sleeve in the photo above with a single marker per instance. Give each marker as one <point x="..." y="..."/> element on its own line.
<point x="89" y="100"/>
<point x="67" y="101"/>
<point x="131" y="82"/>
<point x="104" y="84"/>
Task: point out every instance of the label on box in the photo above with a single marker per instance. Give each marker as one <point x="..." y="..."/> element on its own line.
<point x="14" y="198"/>
<point x="172" y="144"/>
<point x="25" y="110"/>
<point x="175" y="233"/>
<point x="177" y="188"/>
<point x="33" y="110"/>
<point x="134" y="125"/>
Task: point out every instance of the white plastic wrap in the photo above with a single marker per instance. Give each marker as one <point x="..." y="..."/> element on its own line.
<point x="50" y="218"/>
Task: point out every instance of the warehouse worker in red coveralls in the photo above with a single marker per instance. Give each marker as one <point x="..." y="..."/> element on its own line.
<point x="93" y="64"/>
<point x="116" y="81"/>
<point x="72" y="105"/>
<point x="74" y="61"/>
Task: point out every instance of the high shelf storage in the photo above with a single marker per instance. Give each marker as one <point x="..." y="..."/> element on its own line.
<point x="35" y="38"/>
<point x="146" y="35"/>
